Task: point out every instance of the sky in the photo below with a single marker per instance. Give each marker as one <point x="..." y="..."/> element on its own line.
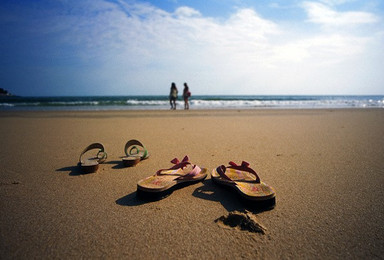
<point x="219" y="47"/>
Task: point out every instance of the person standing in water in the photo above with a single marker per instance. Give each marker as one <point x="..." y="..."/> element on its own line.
<point x="173" y="96"/>
<point x="186" y="95"/>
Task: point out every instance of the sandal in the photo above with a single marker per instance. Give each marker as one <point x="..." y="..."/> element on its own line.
<point x="165" y="180"/>
<point x="91" y="164"/>
<point x="135" y="152"/>
<point x="244" y="180"/>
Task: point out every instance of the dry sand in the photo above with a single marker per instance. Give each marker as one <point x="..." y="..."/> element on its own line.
<point x="327" y="167"/>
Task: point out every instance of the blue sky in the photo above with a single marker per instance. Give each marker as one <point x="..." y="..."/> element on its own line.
<point x="129" y="47"/>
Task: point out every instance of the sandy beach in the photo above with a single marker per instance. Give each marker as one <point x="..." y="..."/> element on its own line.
<point x="327" y="167"/>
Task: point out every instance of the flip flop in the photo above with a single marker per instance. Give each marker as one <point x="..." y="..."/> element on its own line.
<point x="244" y="180"/>
<point x="135" y="152"/>
<point x="165" y="181"/>
<point x="91" y="164"/>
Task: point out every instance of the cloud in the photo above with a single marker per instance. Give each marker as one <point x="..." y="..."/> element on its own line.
<point x="186" y="11"/>
<point x="336" y="2"/>
<point x="324" y="15"/>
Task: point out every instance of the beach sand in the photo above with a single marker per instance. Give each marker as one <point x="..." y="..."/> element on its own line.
<point x="327" y="167"/>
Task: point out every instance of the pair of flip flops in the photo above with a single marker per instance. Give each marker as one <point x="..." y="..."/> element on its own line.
<point x="135" y="152"/>
<point x="242" y="178"/>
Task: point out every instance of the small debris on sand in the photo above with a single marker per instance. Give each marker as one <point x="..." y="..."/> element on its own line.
<point x="243" y="221"/>
<point x="9" y="183"/>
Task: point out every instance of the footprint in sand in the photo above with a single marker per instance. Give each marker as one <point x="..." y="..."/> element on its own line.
<point x="242" y="221"/>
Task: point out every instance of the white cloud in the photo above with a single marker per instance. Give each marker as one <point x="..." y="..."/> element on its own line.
<point x="324" y="15"/>
<point x="186" y="11"/>
<point x="337" y="2"/>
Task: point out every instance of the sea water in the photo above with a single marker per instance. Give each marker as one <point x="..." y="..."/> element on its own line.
<point x="196" y="102"/>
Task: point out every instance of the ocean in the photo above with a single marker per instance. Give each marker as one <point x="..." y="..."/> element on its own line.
<point x="87" y="103"/>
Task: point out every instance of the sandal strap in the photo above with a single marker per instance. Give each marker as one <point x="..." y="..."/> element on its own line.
<point x="221" y="171"/>
<point x="243" y="167"/>
<point x="195" y="169"/>
<point x="101" y="155"/>
<point x="133" y="144"/>
<point x="178" y="164"/>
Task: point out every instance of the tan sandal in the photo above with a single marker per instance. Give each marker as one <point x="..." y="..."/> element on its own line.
<point x="135" y="152"/>
<point x="91" y="164"/>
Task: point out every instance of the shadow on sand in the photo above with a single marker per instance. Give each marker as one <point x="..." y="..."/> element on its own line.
<point x="139" y="197"/>
<point x="131" y="200"/>
<point x="73" y="170"/>
<point x="118" y="164"/>
<point x="76" y="170"/>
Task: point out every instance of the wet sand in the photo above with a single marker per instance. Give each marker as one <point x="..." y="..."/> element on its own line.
<point x="327" y="167"/>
